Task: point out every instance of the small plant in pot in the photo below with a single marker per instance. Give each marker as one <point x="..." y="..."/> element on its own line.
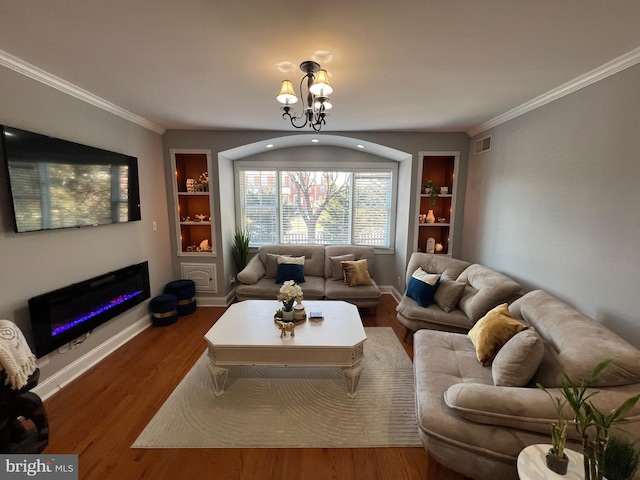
<point x="592" y="426"/>
<point x="432" y="191"/>
<point x="557" y="460"/>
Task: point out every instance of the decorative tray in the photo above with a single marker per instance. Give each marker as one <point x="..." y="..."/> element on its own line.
<point x="295" y="322"/>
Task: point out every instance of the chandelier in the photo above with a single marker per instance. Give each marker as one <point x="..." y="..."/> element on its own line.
<point x="317" y="89"/>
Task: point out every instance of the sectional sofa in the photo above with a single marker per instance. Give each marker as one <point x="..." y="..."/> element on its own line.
<point x="475" y="418"/>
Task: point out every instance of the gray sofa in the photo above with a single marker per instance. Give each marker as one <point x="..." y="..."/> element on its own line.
<point x="478" y="289"/>
<point x="476" y="419"/>
<point x="257" y="279"/>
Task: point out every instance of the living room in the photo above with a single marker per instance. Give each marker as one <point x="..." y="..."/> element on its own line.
<point x="551" y="204"/>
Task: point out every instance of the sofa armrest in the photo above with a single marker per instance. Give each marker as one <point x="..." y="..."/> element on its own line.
<point x="524" y="408"/>
<point x="529" y="408"/>
<point x="252" y="272"/>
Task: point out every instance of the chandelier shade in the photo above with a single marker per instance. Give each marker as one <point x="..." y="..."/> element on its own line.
<point x="287" y="94"/>
<point x="321" y="85"/>
<point x="315" y="87"/>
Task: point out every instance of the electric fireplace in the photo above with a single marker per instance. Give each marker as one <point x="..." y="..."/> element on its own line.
<point x="62" y="315"/>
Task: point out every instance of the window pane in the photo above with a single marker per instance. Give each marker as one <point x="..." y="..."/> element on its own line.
<point x="315" y="207"/>
<point x="372" y="210"/>
<point x="259" y="205"/>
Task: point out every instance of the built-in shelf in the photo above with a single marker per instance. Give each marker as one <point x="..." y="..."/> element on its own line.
<point x="193" y="199"/>
<point x="441" y="169"/>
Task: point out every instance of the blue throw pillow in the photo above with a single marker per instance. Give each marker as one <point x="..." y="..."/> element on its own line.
<point x="289" y="271"/>
<point x="422" y="292"/>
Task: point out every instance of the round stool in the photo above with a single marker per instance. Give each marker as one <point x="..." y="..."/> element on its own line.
<point x="164" y="310"/>
<point x="185" y="292"/>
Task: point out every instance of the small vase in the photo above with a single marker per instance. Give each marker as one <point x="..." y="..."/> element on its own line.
<point x="557" y="465"/>
<point x="431" y="218"/>
<point x="298" y="312"/>
<point x="287" y="316"/>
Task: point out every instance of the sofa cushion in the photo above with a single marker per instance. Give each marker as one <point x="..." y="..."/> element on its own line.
<point x="267" y="289"/>
<point x="448" y="294"/>
<point x="359" y="252"/>
<point x="356" y="273"/>
<point x="422" y="287"/>
<point x="290" y="271"/>
<point x="273" y="260"/>
<point x="337" y="273"/>
<point x="492" y="331"/>
<point x="271" y="265"/>
<point x="517" y="361"/>
<point x="313" y="256"/>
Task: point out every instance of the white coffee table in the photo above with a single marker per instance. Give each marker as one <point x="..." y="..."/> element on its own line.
<point x="246" y="334"/>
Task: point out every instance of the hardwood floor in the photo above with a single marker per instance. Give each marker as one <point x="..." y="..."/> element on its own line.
<point x="99" y="415"/>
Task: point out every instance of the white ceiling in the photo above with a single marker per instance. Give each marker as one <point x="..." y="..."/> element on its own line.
<point x="407" y="65"/>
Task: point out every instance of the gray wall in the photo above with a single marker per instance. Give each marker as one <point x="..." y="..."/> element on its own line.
<point x="391" y="268"/>
<point x="555" y="204"/>
<point x="38" y="262"/>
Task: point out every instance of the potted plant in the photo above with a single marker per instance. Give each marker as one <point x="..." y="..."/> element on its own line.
<point x="620" y="459"/>
<point x="557" y="460"/>
<point x="240" y="248"/>
<point x="593" y="426"/>
<point x="432" y="191"/>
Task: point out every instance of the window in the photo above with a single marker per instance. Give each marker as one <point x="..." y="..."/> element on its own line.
<point x="337" y="206"/>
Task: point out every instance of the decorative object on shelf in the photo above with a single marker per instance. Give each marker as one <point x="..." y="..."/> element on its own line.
<point x="423" y="218"/>
<point x="592" y="426"/>
<point x="240" y="248"/>
<point x="286" y="327"/>
<point x="191" y="185"/>
<point x="318" y="91"/>
<point x="432" y="191"/>
<point x="439" y="247"/>
<point x="431" y="218"/>
<point x="444" y="190"/>
<point x="202" y="185"/>
<point x="289" y="293"/>
<point x="200" y="218"/>
<point x="431" y="245"/>
<point x="442" y="220"/>
<point x="204" y="246"/>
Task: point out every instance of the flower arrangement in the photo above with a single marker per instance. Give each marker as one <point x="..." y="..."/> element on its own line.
<point x="289" y="293"/>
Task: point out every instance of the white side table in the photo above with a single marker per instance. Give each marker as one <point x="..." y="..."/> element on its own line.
<point x="533" y="466"/>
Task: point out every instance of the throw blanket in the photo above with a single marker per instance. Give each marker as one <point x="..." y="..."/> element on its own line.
<point x="15" y="355"/>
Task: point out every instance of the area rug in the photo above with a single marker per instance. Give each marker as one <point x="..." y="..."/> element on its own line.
<point x="267" y="407"/>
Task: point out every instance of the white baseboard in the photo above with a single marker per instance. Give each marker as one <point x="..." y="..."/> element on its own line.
<point x="391" y="290"/>
<point x="62" y="378"/>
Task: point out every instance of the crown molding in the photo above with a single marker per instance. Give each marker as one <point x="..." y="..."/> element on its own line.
<point x="18" y="65"/>
<point x="611" y="68"/>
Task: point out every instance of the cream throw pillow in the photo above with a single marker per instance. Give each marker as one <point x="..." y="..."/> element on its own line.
<point x="356" y="273"/>
<point x="492" y="331"/>
<point x="337" y="273"/>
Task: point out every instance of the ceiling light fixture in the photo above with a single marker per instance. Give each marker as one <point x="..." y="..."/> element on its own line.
<point x="318" y="91"/>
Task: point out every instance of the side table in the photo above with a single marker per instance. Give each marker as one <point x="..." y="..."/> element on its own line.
<point x="533" y="466"/>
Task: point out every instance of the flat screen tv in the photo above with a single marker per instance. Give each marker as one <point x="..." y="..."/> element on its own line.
<point x="55" y="183"/>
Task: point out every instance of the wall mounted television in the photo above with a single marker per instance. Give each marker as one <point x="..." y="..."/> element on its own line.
<point x="56" y="183"/>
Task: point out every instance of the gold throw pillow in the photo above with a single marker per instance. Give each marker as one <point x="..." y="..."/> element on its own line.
<point x="356" y="273"/>
<point x="492" y="331"/>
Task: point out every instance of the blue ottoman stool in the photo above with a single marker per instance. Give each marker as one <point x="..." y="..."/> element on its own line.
<point x="185" y="292"/>
<point x="164" y="310"/>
